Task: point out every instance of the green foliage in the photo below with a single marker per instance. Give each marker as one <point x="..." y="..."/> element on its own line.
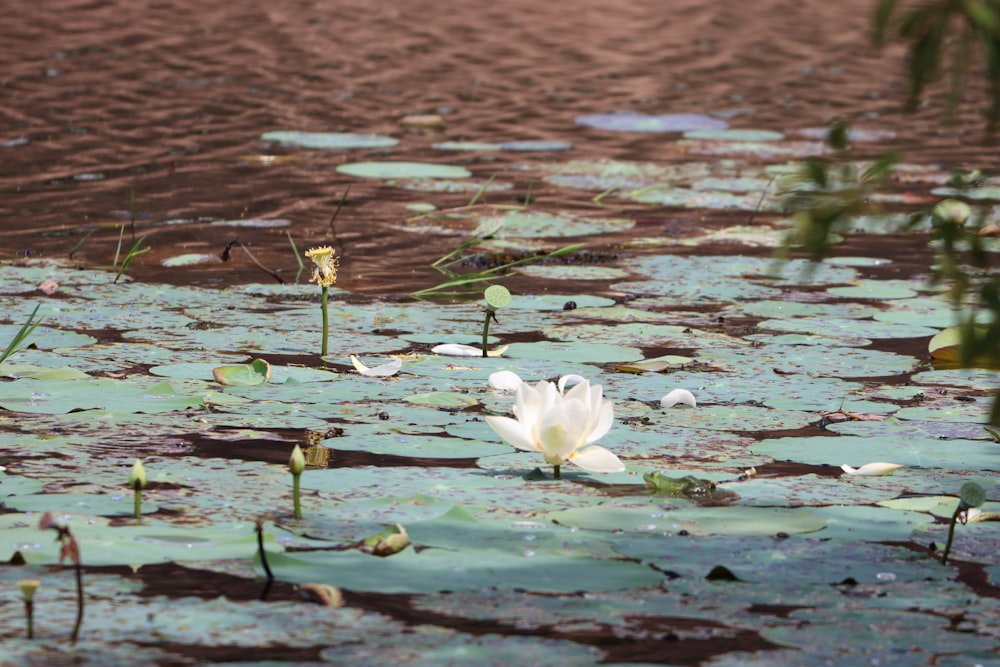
<point x="941" y="36"/>
<point x="17" y="342"/>
<point x="826" y="192"/>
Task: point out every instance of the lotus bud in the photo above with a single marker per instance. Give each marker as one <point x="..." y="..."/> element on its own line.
<point x="953" y="211"/>
<point x="297" y="462"/>
<point x="28" y="588"/>
<point x="137" y="478"/>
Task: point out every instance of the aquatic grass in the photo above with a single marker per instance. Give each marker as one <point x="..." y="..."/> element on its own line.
<point x="17" y="343"/>
<point x="131" y="255"/>
<point x="79" y="244"/>
<point x="298" y="257"/>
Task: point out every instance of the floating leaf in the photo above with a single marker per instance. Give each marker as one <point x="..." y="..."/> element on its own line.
<point x="391" y="170"/>
<point x="329" y="140"/>
<point x="244" y="375"/>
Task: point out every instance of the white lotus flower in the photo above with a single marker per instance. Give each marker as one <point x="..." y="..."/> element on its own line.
<point x="505" y="380"/>
<point x="459" y="350"/>
<point x="383" y="371"/>
<point x="872" y="469"/>
<point x="676" y="396"/>
<point x="562" y="426"/>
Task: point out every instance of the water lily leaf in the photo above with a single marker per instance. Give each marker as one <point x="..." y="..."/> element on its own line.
<point x="628" y="121"/>
<point x="16" y="371"/>
<point x="734" y="135"/>
<point x="465" y="146"/>
<point x="535" y="145"/>
<point x="329" y="140"/>
<point x="696" y="521"/>
<point x="59" y="397"/>
<point x="831" y="326"/>
<point x="391" y="170"/>
<point x="120" y="504"/>
<point x="378" y="440"/>
<point x="442" y="399"/>
<point x="256" y="372"/>
<point x="907" y="450"/>
<point x="433" y="570"/>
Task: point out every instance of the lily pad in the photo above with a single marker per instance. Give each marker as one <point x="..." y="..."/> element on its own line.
<point x="393" y="170"/>
<point x="628" y="121"/>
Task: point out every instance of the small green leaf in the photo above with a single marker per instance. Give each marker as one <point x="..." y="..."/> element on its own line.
<point x="497" y="296"/>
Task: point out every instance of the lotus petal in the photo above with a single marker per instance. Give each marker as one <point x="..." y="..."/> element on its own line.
<point x="676" y="396"/>
<point x="872" y="469"/>
<point x="385" y="370"/>
<point x="513" y="432"/>
<point x="505" y="381"/>
<point x="597" y="459"/>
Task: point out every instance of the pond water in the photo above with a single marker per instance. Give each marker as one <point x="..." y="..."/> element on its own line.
<point x="658" y="136"/>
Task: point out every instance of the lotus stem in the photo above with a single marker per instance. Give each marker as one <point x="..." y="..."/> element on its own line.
<point x="296" y="495"/>
<point x="29" y="611"/>
<point x="490" y="314"/>
<point x="326" y="323"/>
<point x="263" y="559"/>
<point x="951" y="534"/>
<point x="138" y="504"/>
<point x="556" y="474"/>
<point x="79" y="602"/>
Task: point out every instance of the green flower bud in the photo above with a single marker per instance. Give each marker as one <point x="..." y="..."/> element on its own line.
<point x="28" y="588"/>
<point x="953" y="211"/>
<point x="137" y="477"/>
<point x="297" y="462"/>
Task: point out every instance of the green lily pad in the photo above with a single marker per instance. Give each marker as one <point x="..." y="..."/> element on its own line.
<point x="254" y="373"/>
<point x="629" y="121"/>
<point x="392" y="170"/>
<point x="696" y="521"/>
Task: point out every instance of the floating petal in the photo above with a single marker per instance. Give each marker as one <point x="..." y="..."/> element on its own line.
<point x="872" y="469"/>
<point x="505" y="380"/>
<point x="383" y="371"/>
<point x="676" y="396"/>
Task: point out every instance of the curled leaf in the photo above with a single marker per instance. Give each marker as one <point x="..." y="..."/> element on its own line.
<point x="324" y="594"/>
<point x="243" y="375"/>
<point x="676" y="396"/>
<point x="383" y="371"/>
<point x="872" y="469"/>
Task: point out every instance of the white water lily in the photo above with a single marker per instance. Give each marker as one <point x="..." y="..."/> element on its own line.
<point x="676" y="396"/>
<point x="562" y="426"/>
<point x="872" y="469"/>
<point x="459" y="350"/>
<point x="383" y="371"/>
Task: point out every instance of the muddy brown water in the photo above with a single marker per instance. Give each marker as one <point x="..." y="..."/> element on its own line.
<point x="169" y="98"/>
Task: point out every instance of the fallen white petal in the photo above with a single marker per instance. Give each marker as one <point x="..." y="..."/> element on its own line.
<point x="678" y="396"/>
<point x="459" y="350"/>
<point x="872" y="469"/>
<point x="567" y="379"/>
<point x="597" y="459"/>
<point x="505" y="381"/>
<point x="383" y="371"/>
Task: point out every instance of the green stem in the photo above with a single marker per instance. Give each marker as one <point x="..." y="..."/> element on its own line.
<point x="486" y="329"/>
<point x="29" y="610"/>
<point x="263" y="559"/>
<point x="326" y="320"/>
<point x="951" y="535"/>
<point x="138" y="503"/>
<point x="555" y="472"/>
<point x="296" y="495"/>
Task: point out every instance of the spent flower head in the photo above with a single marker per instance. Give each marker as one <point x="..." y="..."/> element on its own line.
<point x="28" y="588"/>
<point x="325" y="269"/>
